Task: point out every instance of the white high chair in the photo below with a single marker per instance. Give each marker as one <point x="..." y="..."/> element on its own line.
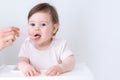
<point x="80" y="72"/>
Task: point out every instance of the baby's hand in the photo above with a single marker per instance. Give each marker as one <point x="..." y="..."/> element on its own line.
<point x="30" y="70"/>
<point x="54" y="71"/>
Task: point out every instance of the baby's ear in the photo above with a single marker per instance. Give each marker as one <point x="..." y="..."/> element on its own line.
<point x="55" y="29"/>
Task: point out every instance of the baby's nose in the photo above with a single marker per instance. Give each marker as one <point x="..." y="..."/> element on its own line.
<point x="37" y="28"/>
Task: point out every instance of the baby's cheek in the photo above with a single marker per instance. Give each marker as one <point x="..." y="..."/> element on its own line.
<point x="30" y="32"/>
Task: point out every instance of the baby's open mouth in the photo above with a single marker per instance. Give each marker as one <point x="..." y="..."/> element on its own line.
<point x="37" y="35"/>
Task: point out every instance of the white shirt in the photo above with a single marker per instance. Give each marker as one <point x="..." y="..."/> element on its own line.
<point x="44" y="59"/>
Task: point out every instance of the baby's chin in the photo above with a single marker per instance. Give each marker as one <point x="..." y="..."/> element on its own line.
<point x="36" y="40"/>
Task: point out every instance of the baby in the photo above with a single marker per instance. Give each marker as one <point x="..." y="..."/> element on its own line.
<point x="41" y="50"/>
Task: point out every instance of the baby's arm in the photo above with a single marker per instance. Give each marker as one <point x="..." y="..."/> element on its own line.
<point x="66" y="65"/>
<point x="25" y="66"/>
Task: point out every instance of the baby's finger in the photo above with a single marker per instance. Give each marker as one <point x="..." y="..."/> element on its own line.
<point x="58" y="73"/>
<point x="31" y="73"/>
<point x="54" y="73"/>
<point x="37" y="69"/>
<point x="48" y="72"/>
<point x="27" y="74"/>
<point x="36" y="72"/>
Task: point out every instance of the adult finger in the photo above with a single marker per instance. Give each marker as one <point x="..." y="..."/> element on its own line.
<point x="9" y="33"/>
<point x="16" y="30"/>
<point x="10" y="29"/>
<point x="9" y="40"/>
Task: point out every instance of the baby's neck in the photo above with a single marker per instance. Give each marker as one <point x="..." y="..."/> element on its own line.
<point x="43" y="46"/>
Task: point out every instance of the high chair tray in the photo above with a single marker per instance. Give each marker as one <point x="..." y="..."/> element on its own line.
<point x="80" y="72"/>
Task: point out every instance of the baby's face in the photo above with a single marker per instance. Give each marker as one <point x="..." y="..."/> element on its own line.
<point x="41" y="28"/>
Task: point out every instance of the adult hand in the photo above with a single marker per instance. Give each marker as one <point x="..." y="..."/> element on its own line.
<point x="8" y="36"/>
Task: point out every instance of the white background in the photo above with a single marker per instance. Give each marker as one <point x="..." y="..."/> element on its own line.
<point x="91" y="27"/>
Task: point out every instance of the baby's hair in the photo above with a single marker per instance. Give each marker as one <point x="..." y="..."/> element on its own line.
<point x="45" y="7"/>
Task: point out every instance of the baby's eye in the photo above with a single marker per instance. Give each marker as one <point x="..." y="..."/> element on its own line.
<point x="43" y="24"/>
<point x="32" y="24"/>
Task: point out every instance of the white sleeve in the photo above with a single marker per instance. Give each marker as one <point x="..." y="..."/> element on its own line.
<point x="65" y="51"/>
<point x="24" y="51"/>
